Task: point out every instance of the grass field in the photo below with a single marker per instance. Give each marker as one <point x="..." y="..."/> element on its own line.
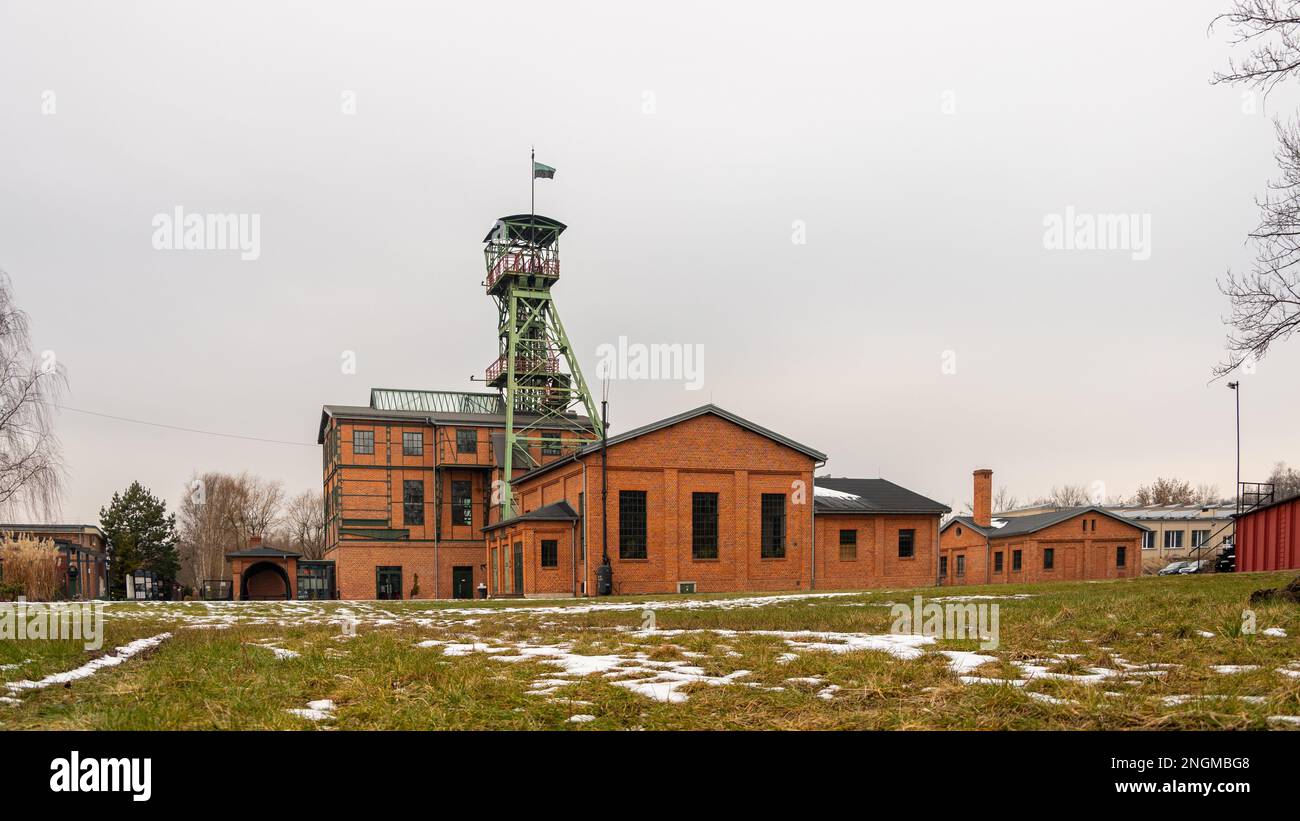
<point x="1147" y="653"/>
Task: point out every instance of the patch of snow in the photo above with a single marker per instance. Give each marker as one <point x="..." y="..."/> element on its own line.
<point x="1294" y="721"/>
<point x="88" y="669"/>
<point x="581" y="718"/>
<point x="1275" y="632"/>
<point x="280" y="652"/>
<point x="1205" y="634"/>
<point x="1046" y="699"/>
<point x="818" y="490"/>
<point x="1230" y="669"/>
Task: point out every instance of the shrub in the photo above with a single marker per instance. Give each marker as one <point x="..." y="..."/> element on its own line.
<point x="31" y="567"/>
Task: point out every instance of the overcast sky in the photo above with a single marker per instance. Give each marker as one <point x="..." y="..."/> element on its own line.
<point x="918" y="152"/>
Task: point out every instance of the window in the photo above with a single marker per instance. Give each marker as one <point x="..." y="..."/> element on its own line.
<point x="1173" y="539"/>
<point x="551" y="443"/>
<point x="1049" y="558"/>
<point x="1084" y="522"/>
<point x="550" y="553"/>
<point x="772" y="526"/>
<point x="1094" y="526"/>
<point x="1015" y="559"/>
<point x="1120" y="555"/>
<point x="413" y="501"/>
<point x="704" y="525"/>
<point x="959" y="530"/>
<point x="1200" y="537"/>
<point x="466" y="440"/>
<point x="363" y="441"/>
<point x="848" y="545"/>
<point x="997" y="562"/>
<point x="462" y="502"/>
<point x="906" y="543"/>
<point x="961" y="565"/>
<point x="1149" y="540"/>
<point x="412" y="443"/>
<point x="631" y="524"/>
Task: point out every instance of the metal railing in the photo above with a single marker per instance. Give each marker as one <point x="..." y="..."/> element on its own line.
<point x="514" y="262"/>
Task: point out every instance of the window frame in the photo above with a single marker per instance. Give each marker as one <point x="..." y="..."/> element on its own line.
<point x="704" y="526"/>
<point x="997" y="561"/>
<point x="357" y="448"/>
<point x="462" y="508"/>
<point x="1017" y="560"/>
<point x="418" y="449"/>
<point x="409" y="505"/>
<point x="1121" y="555"/>
<point x="772" y="526"/>
<point x="633" y="525"/>
<point x="554" y="550"/>
<point x="907" y="547"/>
<point x="462" y="436"/>
<point x="1174" y="535"/>
<point x="1049" y="558"/>
<point x="851" y="543"/>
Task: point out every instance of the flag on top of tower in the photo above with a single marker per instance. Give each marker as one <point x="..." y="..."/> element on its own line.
<point x="544" y="172"/>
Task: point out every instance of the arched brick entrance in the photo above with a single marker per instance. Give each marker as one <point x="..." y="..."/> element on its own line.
<point x="265" y="580"/>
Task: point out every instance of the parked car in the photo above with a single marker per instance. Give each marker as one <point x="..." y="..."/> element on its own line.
<point x="1173" y="568"/>
<point x="1195" y="566"/>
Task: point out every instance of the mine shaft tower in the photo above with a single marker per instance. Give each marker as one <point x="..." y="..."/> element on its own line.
<point x="545" y="395"/>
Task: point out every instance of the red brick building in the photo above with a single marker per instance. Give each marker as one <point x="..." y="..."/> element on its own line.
<point x="874" y="533"/>
<point x="83" y="561"/>
<point x="1268" y="536"/>
<point x="1060" y="545"/>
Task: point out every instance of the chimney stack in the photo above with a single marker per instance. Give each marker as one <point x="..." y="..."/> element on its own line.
<point x="983" y="506"/>
<point x="254" y="541"/>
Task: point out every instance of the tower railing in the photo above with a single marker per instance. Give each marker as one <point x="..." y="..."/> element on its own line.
<point x="523" y="365"/>
<point x="527" y="264"/>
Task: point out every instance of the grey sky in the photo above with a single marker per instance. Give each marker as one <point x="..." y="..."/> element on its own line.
<point x="689" y="138"/>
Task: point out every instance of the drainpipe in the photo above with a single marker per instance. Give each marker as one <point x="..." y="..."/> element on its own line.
<point x="586" y="562"/>
<point x="812" y="573"/>
<point x="604" y="483"/>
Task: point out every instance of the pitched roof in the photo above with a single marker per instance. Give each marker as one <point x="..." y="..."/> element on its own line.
<point x="262" y="552"/>
<point x="1022" y="525"/>
<point x="560" y="511"/>
<point x="702" y="410"/>
<point x="837" y="495"/>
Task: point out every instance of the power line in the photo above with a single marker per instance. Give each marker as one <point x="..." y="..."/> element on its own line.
<point x="183" y="429"/>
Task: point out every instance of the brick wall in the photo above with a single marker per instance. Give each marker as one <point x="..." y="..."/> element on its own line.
<point x="876" y="562"/>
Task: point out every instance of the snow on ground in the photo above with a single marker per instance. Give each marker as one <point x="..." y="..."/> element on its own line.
<point x="1275" y="632"/>
<point x="1230" y="669"/>
<point x="322" y="710"/>
<point x="581" y="718"/>
<point x="280" y="652"/>
<point x="91" y="667"/>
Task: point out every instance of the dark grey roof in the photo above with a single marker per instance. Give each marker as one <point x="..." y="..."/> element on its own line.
<point x="673" y="420"/>
<point x="262" y="552"/>
<point x="1021" y="525"/>
<point x="873" y="496"/>
<point x="560" y="511"/>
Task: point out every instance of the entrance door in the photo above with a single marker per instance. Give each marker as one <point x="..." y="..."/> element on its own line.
<point x="519" y="567"/>
<point x="462" y="582"/>
<point x="388" y="582"/>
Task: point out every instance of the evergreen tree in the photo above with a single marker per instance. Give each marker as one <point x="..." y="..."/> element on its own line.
<point x="141" y="536"/>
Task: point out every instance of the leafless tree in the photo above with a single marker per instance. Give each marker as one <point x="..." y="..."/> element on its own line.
<point x="1004" y="500"/>
<point x="304" y="519"/>
<point x="1286" y="481"/>
<point x="1265" y="301"/>
<point x="256" y="504"/>
<point x="217" y="514"/>
<point x="1070" y="496"/>
<point x="1207" y="494"/>
<point x="31" y="466"/>
<point x="1166" y="492"/>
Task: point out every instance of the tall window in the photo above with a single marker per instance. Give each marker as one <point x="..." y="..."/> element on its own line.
<point x="462" y="502"/>
<point x="1200" y="537"/>
<point x="1049" y="558"/>
<point x="466" y="440"/>
<point x="961" y="565"/>
<point x="413" y="501"/>
<point x="412" y="443"/>
<point x="1120" y="555"/>
<point x="773" y="526"/>
<point x="848" y="545"/>
<point x="997" y="562"/>
<point x="704" y="525"/>
<point x="550" y="553"/>
<point x="363" y="441"/>
<point x="631" y="524"/>
<point x="1015" y="559"/>
<point x="906" y="543"/>
<point x="551" y="443"/>
<point x="1173" y="539"/>
<point x="582" y="526"/>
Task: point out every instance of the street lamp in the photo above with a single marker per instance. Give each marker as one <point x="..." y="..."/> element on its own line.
<point x="1236" y="389"/>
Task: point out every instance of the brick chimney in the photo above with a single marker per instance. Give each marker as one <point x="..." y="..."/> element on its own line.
<point x="983" y="506"/>
<point x="254" y="541"/>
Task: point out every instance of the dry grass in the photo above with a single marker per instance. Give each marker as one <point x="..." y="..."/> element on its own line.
<point x="33" y="564"/>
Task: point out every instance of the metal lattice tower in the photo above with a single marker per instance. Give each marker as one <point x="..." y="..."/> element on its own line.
<point x="544" y="392"/>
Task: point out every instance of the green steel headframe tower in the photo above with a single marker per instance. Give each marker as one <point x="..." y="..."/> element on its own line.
<point x="544" y="392"/>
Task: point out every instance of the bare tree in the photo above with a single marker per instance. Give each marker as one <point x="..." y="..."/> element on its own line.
<point x="1265" y="301"/>
<point x="1207" y="494"/>
<point x="1166" y="492"/>
<point x="1286" y="481"/>
<point x="256" y="504"/>
<point x="218" y="513"/>
<point x="31" y="466"/>
<point x="1070" y="496"/>
<point x="1003" y="500"/>
<point x="304" y="519"/>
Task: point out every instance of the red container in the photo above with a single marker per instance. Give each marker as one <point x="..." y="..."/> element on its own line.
<point x="1268" y="537"/>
